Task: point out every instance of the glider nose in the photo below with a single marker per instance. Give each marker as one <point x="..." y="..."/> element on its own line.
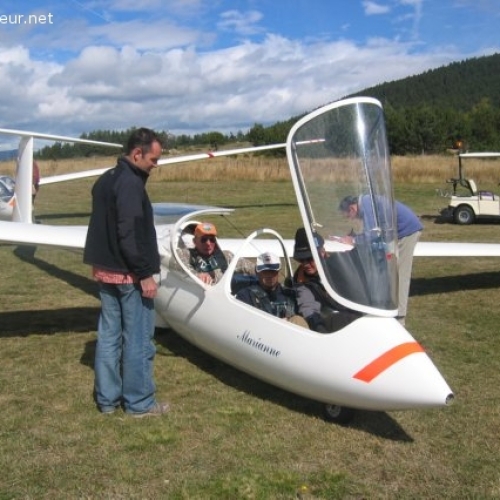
<point x="408" y="378"/>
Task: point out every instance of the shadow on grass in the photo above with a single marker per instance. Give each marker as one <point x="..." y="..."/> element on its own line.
<point x="376" y="423"/>
<point x="443" y="219"/>
<point x="437" y="219"/>
<point x="27" y="254"/>
<point x="50" y="321"/>
<point x="446" y="284"/>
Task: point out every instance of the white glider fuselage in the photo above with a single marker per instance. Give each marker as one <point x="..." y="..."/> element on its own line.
<point x="373" y="363"/>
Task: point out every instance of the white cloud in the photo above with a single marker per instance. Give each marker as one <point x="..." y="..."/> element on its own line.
<point x="242" y="23"/>
<point x="374" y="8"/>
<point x="156" y="35"/>
<point x="489" y="6"/>
<point x="184" y="91"/>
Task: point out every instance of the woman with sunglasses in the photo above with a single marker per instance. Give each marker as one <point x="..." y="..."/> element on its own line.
<point x="322" y="313"/>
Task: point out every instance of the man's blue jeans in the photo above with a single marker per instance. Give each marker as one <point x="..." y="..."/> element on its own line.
<point x="125" y="350"/>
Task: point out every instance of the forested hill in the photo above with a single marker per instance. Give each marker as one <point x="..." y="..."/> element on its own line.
<point x="453" y="106"/>
<point x="460" y="85"/>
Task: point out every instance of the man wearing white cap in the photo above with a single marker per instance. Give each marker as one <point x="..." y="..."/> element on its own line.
<point x="268" y="294"/>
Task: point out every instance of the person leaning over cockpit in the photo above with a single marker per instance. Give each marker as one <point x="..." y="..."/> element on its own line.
<point x="206" y="259"/>
<point x="409" y="230"/>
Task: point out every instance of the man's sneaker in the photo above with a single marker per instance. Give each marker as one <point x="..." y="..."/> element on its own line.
<point x="157" y="410"/>
<point x="108" y="410"/>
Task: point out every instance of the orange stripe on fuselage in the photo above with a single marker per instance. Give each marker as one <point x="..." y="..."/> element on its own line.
<point x="389" y="358"/>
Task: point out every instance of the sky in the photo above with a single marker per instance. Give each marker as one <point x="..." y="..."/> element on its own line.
<point x="69" y="67"/>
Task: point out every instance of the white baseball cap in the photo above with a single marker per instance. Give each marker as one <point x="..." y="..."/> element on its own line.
<point x="267" y="262"/>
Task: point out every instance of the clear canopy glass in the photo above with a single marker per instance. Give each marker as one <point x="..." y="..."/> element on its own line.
<point x="338" y="156"/>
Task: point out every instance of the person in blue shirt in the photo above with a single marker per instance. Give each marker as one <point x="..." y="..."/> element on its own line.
<point x="409" y="229"/>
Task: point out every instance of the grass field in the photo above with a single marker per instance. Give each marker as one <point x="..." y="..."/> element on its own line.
<point x="230" y="436"/>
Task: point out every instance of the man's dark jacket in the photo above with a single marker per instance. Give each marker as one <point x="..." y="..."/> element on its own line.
<point x="121" y="235"/>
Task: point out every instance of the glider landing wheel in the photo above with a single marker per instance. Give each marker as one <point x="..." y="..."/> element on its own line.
<point x="338" y="414"/>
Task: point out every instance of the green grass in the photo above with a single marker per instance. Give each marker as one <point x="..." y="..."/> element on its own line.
<point x="230" y="436"/>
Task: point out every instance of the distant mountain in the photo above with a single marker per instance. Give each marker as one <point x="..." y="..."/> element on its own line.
<point x="459" y="86"/>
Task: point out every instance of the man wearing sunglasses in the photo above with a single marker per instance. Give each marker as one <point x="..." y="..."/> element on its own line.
<point x="207" y="260"/>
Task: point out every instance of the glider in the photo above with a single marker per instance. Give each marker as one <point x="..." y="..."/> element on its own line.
<point x="371" y="363"/>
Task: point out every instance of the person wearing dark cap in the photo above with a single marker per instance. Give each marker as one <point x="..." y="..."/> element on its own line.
<point x="206" y="259"/>
<point x="409" y="229"/>
<point x="322" y="313"/>
<point x="268" y="294"/>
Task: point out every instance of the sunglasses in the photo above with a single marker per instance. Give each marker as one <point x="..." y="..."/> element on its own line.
<point x="204" y="239"/>
<point x="307" y="259"/>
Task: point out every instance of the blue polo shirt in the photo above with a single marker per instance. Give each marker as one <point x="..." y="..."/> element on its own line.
<point x="407" y="222"/>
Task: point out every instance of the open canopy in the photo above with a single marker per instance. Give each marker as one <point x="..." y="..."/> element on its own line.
<point x="337" y="151"/>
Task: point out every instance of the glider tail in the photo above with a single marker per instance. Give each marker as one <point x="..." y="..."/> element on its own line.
<point x="23" y="209"/>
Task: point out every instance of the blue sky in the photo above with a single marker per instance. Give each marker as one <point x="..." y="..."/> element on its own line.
<point x="190" y="66"/>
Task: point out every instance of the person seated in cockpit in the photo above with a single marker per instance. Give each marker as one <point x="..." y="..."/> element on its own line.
<point x="268" y="294"/>
<point x="322" y="313"/>
<point x="206" y="259"/>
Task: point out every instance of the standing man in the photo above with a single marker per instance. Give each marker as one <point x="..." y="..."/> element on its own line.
<point x="121" y="246"/>
<point x="409" y="230"/>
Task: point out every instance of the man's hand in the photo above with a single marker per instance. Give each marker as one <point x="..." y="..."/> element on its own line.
<point x="206" y="278"/>
<point x="149" y="287"/>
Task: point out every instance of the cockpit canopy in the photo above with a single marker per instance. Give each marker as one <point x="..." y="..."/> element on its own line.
<point x="341" y="151"/>
<point x="7" y="185"/>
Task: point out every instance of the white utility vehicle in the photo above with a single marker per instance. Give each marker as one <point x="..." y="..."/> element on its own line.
<point x="470" y="203"/>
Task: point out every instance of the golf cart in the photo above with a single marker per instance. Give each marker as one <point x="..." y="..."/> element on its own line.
<point x="468" y="203"/>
